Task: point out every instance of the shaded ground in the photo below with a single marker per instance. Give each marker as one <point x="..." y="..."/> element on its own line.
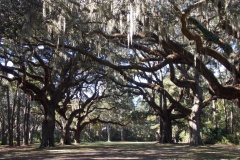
<point x="122" y="150"/>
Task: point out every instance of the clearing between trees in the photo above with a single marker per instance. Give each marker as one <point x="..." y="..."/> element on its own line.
<point x="122" y="150"/>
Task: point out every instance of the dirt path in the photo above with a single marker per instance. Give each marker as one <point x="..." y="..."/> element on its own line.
<point x="122" y="150"/>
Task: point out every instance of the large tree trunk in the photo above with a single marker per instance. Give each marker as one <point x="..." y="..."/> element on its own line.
<point x="79" y="128"/>
<point x="66" y="136"/>
<point x="77" y="134"/>
<point x="48" y="126"/>
<point x="160" y="138"/>
<point x="165" y="122"/>
<point x="167" y="130"/>
<point x="26" y="121"/>
<point x="194" y="121"/>
<point x="194" y="124"/>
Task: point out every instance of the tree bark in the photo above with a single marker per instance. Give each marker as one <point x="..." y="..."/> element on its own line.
<point x="77" y="135"/>
<point x="161" y="130"/>
<point x="122" y="134"/>
<point x="166" y="136"/>
<point x="161" y="104"/>
<point x="31" y="135"/>
<point x="26" y="121"/>
<point x="18" y="120"/>
<point x="215" y="122"/>
<point x="108" y="132"/>
<point x="48" y="126"/>
<point x="79" y="128"/>
<point x="232" y="119"/>
<point x="194" y="121"/>
<point x="4" y="136"/>
<point x="225" y="116"/>
<point x="10" y="120"/>
<point x="194" y="124"/>
<point x="167" y="131"/>
<point x="66" y="136"/>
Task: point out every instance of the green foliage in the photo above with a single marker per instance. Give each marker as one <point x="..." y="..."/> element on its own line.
<point x="219" y="135"/>
<point x="232" y="138"/>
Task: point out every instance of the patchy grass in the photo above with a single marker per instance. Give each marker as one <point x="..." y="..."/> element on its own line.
<point x="122" y="150"/>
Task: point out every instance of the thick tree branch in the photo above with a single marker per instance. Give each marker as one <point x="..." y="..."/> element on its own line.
<point x="223" y="91"/>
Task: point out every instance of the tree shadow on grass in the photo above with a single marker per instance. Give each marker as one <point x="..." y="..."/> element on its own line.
<point x="121" y="150"/>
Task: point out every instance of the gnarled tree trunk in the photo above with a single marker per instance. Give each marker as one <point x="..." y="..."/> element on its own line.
<point x="79" y="128"/>
<point x="167" y="131"/>
<point x="194" y="119"/>
<point x="194" y="124"/>
<point x="48" y="126"/>
<point x="66" y="136"/>
<point x="77" y="135"/>
<point x="165" y="122"/>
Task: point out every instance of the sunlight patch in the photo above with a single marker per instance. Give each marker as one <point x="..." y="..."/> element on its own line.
<point x="117" y="158"/>
<point x="65" y="151"/>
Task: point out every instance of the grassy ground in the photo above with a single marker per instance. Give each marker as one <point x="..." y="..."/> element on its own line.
<point x="122" y="150"/>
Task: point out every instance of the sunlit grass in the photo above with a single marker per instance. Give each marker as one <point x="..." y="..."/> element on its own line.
<point x="122" y="150"/>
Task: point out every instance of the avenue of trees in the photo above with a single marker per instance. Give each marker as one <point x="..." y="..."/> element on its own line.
<point x="82" y="69"/>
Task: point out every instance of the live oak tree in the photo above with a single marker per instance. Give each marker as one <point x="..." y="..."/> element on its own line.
<point x="189" y="27"/>
<point x="80" y="102"/>
<point x="42" y="72"/>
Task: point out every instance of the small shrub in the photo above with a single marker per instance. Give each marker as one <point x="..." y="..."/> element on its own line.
<point x="219" y="135"/>
<point x="233" y="139"/>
